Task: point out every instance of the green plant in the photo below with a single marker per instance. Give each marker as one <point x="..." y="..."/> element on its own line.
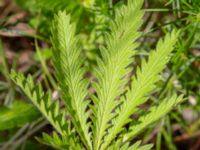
<point x="101" y="120"/>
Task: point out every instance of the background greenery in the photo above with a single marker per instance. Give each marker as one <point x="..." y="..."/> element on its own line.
<point x="25" y="46"/>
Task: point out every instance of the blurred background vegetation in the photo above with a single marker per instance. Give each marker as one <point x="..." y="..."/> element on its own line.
<point x="25" y="46"/>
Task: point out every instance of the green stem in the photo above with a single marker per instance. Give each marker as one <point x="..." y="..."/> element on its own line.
<point x="44" y="67"/>
<point x="5" y="70"/>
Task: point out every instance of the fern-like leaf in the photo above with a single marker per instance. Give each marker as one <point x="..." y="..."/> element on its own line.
<point x="61" y="143"/>
<point x="136" y="146"/>
<point x="43" y="101"/>
<point x="127" y="146"/>
<point x="112" y="69"/>
<point x="143" y="83"/>
<point x="154" y="114"/>
<point x="67" y="62"/>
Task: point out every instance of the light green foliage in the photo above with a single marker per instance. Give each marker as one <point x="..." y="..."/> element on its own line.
<point x="136" y="146"/>
<point x="66" y="52"/>
<point x="58" y="143"/>
<point x="112" y="69"/>
<point x="145" y="78"/>
<point x="105" y="122"/>
<point x="127" y="146"/>
<point x="152" y="115"/>
<point x="43" y="101"/>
